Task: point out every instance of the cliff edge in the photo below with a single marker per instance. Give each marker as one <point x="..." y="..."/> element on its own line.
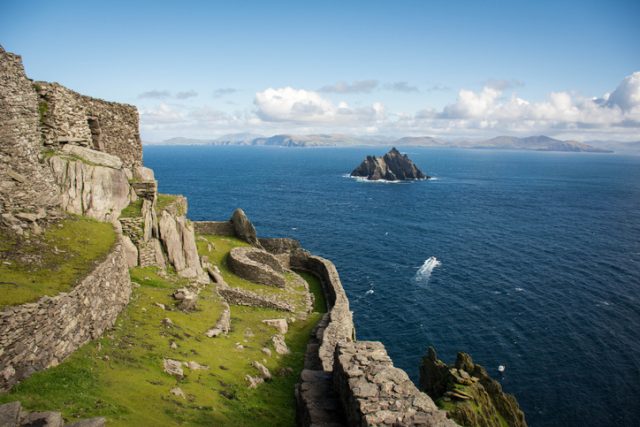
<point x="468" y="394"/>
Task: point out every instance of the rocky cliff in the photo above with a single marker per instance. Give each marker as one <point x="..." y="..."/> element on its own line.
<point x="468" y="394"/>
<point x="393" y="166"/>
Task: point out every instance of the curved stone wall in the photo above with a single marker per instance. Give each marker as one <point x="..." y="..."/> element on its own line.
<point x="39" y="335"/>
<point x="346" y="382"/>
<point x="257" y="266"/>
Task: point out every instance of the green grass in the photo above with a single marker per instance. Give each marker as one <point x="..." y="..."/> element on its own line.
<point x="165" y="200"/>
<point x="47" y="153"/>
<point x="315" y="287"/>
<point x="222" y="245"/>
<point x="134" y="210"/>
<point x="120" y="375"/>
<point x="53" y="262"/>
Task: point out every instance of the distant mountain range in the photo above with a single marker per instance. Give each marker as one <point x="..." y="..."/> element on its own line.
<point x="535" y="143"/>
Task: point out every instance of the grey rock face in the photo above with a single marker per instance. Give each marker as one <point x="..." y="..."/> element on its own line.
<point x="97" y="191"/>
<point x="10" y="414"/>
<point x="243" y="228"/>
<point x="179" y="240"/>
<point x="393" y="166"/>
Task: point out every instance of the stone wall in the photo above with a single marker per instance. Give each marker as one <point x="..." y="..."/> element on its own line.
<point x="70" y="118"/>
<point x="39" y="335"/>
<point x="215" y="228"/>
<point x="27" y="187"/>
<point x="375" y="393"/>
<point x="257" y="266"/>
<point x="346" y="382"/>
<point x="237" y="296"/>
<point x="339" y="326"/>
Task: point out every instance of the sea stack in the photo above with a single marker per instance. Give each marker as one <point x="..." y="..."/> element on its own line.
<point x="393" y="166"/>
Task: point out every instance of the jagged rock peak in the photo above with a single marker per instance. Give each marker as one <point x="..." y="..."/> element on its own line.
<point x="469" y="395"/>
<point x="393" y="166"/>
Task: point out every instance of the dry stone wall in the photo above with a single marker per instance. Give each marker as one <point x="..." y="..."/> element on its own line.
<point x="39" y="335"/>
<point x="215" y="228"/>
<point x="70" y="118"/>
<point x="375" y="393"/>
<point x="26" y="183"/>
<point x="257" y="266"/>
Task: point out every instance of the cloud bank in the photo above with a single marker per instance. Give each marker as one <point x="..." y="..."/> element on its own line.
<point x="494" y="109"/>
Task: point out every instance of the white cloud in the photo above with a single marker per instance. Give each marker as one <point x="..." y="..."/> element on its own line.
<point x="306" y="107"/>
<point x="627" y="94"/>
<point x="486" y="112"/>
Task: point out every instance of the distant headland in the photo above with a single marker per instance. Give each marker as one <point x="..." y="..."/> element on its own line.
<point x="529" y="143"/>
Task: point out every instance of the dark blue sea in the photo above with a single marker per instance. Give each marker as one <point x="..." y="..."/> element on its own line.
<point x="537" y="258"/>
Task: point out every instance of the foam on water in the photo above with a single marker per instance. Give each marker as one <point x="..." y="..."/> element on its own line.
<point x="424" y="272"/>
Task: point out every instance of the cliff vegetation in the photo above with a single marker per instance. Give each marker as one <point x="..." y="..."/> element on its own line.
<point x="120" y="376"/>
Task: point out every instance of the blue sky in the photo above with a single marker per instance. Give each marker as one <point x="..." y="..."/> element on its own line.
<point x="444" y="68"/>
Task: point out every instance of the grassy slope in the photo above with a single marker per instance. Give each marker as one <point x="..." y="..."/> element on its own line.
<point x="52" y="262"/>
<point x="120" y="375"/>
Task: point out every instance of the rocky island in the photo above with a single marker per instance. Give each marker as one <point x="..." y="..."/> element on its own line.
<point x="393" y="166"/>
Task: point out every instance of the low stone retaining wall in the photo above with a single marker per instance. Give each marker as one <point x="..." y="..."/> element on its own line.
<point x="237" y="296"/>
<point x="339" y="326"/>
<point x="375" y="393"/>
<point x="215" y="228"/>
<point x="257" y="266"/>
<point x="39" y="335"/>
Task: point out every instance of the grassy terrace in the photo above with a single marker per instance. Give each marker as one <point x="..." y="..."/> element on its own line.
<point x="120" y="375"/>
<point x="218" y="256"/>
<point x="134" y="210"/>
<point x="52" y="262"/>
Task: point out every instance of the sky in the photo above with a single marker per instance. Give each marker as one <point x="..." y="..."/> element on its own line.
<point x="450" y="69"/>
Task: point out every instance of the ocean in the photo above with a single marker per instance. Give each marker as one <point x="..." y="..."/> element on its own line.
<point x="524" y="259"/>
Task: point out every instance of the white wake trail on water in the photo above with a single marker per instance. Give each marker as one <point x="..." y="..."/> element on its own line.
<point x="424" y="272"/>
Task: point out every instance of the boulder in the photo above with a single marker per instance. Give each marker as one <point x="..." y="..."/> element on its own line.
<point x="222" y="325"/>
<point x="393" y="166"/>
<point x="243" y="228"/>
<point x="173" y="367"/>
<point x="91" y="422"/>
<point x="264" y="372"/>
<point x="281" y="325"/>
<point x="179" y="240"/>
<point x="43" y="419"/>
<point x="99" y="158"/>
<point x="279" y="344"/>
<point x="177" y="391"/>
<point x="130" y="251"/>
<point x="10" y="414"/>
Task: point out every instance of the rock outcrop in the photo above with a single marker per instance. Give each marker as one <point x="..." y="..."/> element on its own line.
<point x="178" y="238"/>
<point x="393" y="166"/>
<point x="243" y="228"/>
<point x="13" y="415"/>
<point x="468" y="393"/>
<point x="89" y="188"/>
